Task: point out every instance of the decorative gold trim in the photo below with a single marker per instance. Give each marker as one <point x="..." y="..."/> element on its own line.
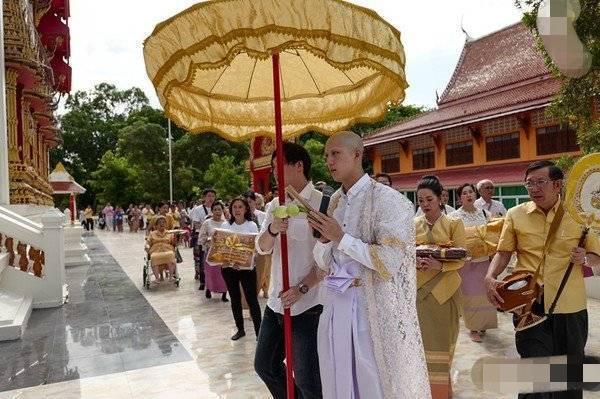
<point x="578" y="175"/>
<point x="379" y="265"/>
<point x="262" y="162"/>
<point x="393" y="242"/>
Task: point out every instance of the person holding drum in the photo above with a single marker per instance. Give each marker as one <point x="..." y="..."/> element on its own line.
<point x="545" y="238"/>
<point x="438" y="283"/>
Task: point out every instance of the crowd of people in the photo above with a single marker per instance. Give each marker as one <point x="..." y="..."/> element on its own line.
<point x="371" y="319"/>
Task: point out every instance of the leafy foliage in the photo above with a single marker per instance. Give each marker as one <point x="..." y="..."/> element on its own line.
<point x="319" y="171"/>
<point x="116" y="145"/>
<point x="90" y="128"/>
<point x="573" y="104"/>
<point x="114" y="180"/>
<point x="228" y="177"/>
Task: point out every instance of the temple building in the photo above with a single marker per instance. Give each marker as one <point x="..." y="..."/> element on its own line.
<point x="261" y="149"/>
<point x="35" y="243"/>
<point x="36" y="46"/>
<point x="490" y="122"/>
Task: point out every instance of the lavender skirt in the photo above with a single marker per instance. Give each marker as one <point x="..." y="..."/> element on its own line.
<point x="214" y="278"/>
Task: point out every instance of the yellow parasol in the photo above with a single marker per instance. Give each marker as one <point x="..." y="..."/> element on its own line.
<point x="280" y="68"/>
<point x="212" y="69"/>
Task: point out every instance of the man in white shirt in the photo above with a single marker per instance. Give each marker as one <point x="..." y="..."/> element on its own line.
<point x="485" y="201"/>
<point x="369" y="340"/>
<point x="303" y="297"/>
<point x="198" y="216"/>
<point x="201" y="211"/>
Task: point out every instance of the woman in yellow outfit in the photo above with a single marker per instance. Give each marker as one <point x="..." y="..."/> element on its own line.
<point x="438" y="284"/>
<point x="160" y="245"/>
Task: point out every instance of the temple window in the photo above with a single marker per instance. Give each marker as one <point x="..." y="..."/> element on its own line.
<point x="504" y="146"/>
<point x="390" y="163"/>
<point x="423" y="158"/>
<point x="460" y="153"/>
<point x="556" y="139"/>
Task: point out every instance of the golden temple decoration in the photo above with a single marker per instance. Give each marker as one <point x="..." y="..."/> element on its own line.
<point x="11" y="114"/>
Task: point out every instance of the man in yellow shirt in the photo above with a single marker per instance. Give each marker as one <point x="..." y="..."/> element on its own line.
<point x="525" y="229"/>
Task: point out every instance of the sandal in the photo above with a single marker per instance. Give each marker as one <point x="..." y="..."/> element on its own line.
<point x="475" y="337"/>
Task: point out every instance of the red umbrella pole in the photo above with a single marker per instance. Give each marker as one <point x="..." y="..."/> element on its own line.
<point x="287" y="318"/>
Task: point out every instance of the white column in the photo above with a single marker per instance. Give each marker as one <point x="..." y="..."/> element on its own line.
<point x="4" y="182"/>
<point x="54" y="246"/>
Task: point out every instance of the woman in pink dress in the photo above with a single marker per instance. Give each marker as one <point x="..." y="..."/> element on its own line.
<point x="214" y="277"/>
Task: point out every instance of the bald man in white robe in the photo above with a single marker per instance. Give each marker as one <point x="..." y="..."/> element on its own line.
<point x="369" y="340"/>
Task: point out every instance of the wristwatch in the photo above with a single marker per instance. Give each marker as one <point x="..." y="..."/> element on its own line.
<point x="270" y="232"/>
<point x="303" y="288"/>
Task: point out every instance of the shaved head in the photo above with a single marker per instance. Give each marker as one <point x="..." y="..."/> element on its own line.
<point x="343" y="155"/>
<point x="348" y="139"/>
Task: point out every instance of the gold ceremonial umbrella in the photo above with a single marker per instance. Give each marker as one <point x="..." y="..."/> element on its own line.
<point x="279" y="68"/>
<point x="212" y="69"/>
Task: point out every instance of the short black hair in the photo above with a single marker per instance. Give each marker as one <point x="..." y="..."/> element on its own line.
<point x="432" y="183"/>
<point x="208" y="190"/>
<point x="385" y="176"/>
<point x="554" y="172"/>
<point x="462" y="187"/>
<point x="250" y="194"/>
<point x="294" y="153"/>
<point x="217" y="203"/>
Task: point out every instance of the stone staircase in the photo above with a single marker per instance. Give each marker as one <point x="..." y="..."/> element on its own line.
<point x="32" y="263"/>
<point x="14" y="308"/>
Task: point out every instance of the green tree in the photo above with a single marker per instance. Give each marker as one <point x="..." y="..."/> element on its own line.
<point x="227" y="176"/>
<point x="144" y="145"/>
<point x="152" y="115"/>
<point x="114" y="180"/>
<point x="315" y="142"/>
<point x="195" y="150"/>
<point x="319" y="171"/>
<point x="394" y="114"/>
<point x="90" y="127"/>
<point x="573" y="104"/>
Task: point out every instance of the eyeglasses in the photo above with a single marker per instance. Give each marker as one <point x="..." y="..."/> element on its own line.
<point x="488" y="187"/>
<point x="536" y="183"/>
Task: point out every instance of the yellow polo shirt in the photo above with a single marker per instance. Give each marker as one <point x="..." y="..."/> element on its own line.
<point x="525" y="230"/>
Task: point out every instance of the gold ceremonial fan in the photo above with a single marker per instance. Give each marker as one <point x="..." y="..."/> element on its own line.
<point x="582" y="198"/>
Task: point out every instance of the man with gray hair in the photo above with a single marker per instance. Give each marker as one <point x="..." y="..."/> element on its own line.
<point x="485" y="201"/>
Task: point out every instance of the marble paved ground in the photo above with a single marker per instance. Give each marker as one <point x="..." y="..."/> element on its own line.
<point x="106" y="327"/>
<point x="220" y="368"/>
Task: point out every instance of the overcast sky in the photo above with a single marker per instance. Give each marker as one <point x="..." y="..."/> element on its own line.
<point x="107" y="37"/>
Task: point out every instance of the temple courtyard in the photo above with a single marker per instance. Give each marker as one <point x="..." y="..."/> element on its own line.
<point x="115" y="339"/>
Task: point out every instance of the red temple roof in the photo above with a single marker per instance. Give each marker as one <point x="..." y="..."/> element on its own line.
<point x="500" y="174"/>
<point x="499" y="74"/>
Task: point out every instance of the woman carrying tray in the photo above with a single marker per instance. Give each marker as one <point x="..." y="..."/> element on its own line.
<point x="479" y="314"/>
<point x="213" y="275"/>
<point x="438" y="284"/>
<point x="241" y="222"/>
